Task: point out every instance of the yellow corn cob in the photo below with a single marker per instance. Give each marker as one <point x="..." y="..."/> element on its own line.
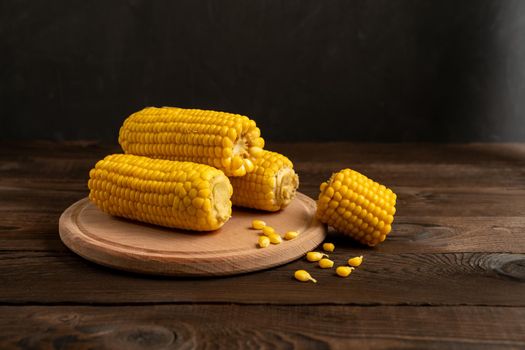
<point x="168" y="193"/>
<point x="271" y="186"/>
<point x="229" y="142"/>
<point x="357" y="206"/>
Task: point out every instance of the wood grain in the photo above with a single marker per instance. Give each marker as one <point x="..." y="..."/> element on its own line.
<point x="261" y="327"/>
<point x="384" y="279"/>
<point x="137" y="247"/>
<point x="37" y="231"/>
<point x="451" y="274"/>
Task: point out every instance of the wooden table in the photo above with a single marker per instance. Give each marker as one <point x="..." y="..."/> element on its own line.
<point x="450" y="275"/>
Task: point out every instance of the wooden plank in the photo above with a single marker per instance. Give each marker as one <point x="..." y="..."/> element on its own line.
<point x="35" y="231"/>
<point x="30" y="231"/>
<point x="495" y="279"/>
<point x="421" y="174"/>
<point x="429" y="234"/>
<point x="460" y="202"/>
<point x="271" y="327"/>
<point x="405" y="153"/>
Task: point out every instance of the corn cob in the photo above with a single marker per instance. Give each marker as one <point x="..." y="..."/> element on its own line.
<point x="162" y="192"/>
<point x="357" y="206"/>
<point x="229" y="142"/>
<point x="271" y="186"/>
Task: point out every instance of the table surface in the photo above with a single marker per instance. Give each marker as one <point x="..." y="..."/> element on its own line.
<point x="450" y="275"/>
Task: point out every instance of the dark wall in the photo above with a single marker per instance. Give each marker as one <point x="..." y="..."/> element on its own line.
<point x="393" y="70"/>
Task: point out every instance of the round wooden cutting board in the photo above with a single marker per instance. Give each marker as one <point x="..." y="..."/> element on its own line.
<point x="134" y="246"/>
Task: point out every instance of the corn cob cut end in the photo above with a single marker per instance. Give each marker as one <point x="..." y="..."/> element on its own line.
<point x="287" y="182"/>
<point x="357" y="206"/>
<point x="220" y="197"/>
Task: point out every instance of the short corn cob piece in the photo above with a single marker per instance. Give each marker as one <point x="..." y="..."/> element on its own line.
<point x="168" y="193"/>
<point x="357" y="206"/>
<point x="229" y="142"/>
<point x="271" y="186"/>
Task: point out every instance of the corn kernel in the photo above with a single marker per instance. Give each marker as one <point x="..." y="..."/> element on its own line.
<point x="236" y="162"/>
<point x="248" y="164"/>
<point x="328" y="247"/>
<point x="326" y="263"/>
<point x="315" y="256"/>
<point x="356" y="261"/>
<point x="274" y="238"/>
<point x="344" y="271"/>
<point x="256" y="152"/>
<point x="267" y="230"/>
<point x="303" y="276"/>
<point x="264" y="241"/>
<point x="291" y="235"/>
<point x="258" y="224"/>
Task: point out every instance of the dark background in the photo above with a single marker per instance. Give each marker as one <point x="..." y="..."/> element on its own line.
<point x="304" y="70"/>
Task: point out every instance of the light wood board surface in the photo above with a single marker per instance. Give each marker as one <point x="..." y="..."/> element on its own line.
<point x="137" y="247"/>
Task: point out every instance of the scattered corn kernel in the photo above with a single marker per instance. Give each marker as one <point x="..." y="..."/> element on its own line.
<point x="326" y="263"/>
<point x="274" y="238"/>
<point x="291" y="235"/>
<point x="344" y="271"/>
<point x="356" y="261"/>
<point x="264" y="241"/>
<point x="315" y="256"/>
<point x="328" y="247"/>
<point x="303" y="276"/>
<point x="267" y="230"/>
<point x="258" y="224"/>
